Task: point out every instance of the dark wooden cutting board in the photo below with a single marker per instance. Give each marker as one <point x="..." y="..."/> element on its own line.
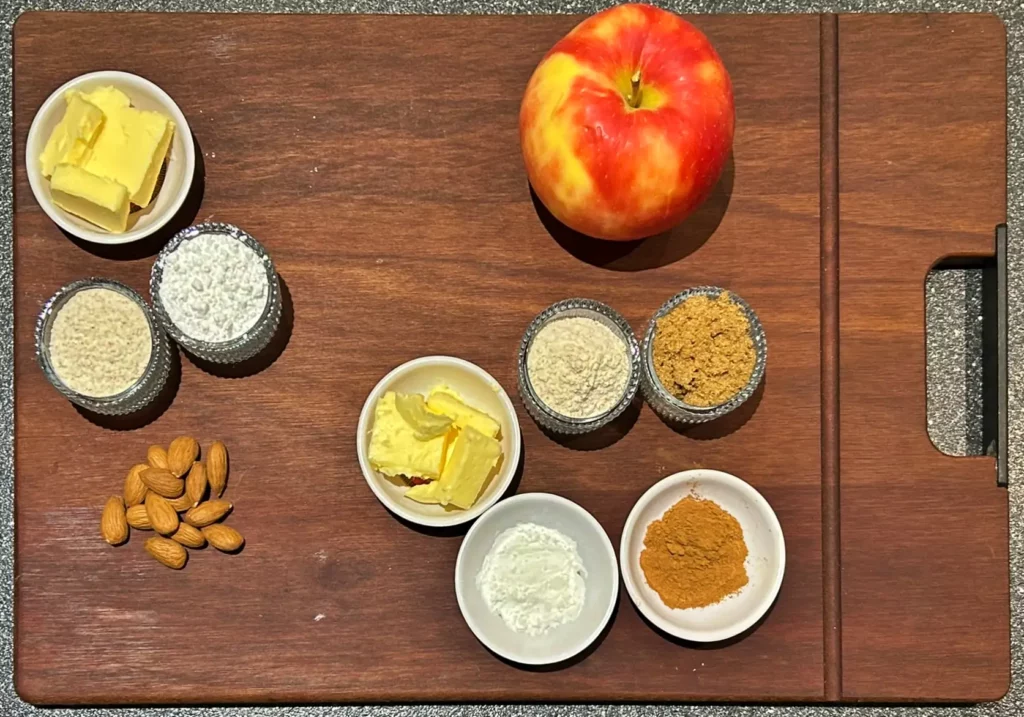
<point x="377" y="159"/>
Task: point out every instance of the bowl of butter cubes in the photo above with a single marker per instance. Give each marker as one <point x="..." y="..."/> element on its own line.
<point x="110" y="157"/>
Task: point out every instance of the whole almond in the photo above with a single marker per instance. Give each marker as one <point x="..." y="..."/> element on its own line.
<point x="223" y="537"/>
<point x="181" y="454"/>
<point x="217" y="469"/>
<point x="189" y="537"/>
<point x="138" y="518"/>
<point x="206" y="513"/>
<point x="195" y="483"/>
<point x="156" y="456"/>
<point x="134" y="488"/>
<point x="163" y="482"/>
<point x="113" y="523"/>
<point x="161" y="514"/>
<point x="181" y="503"/>
<point x="167" y="552"/>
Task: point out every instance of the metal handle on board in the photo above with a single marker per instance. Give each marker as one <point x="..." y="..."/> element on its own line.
<point x="998" y="444"/>
<point x="1002" y="321"/>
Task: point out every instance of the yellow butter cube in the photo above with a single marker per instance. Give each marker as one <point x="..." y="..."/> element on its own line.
<point x="130" y="150"/>
<point x="431" y="493"/>
<point x="106" y="98"/>
<point x="394" y="448"/>
<point x="473" y="457"/>
<point x="445" y="402"/>
<point x="74" y="134"/>
<point x="95" y="199"/>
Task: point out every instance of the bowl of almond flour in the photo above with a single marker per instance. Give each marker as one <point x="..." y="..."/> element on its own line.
<point x="579" y="366"/>
<point x="99" y="344"/>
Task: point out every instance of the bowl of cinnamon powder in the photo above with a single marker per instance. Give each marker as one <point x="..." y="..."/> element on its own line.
<point x="702" y="555"/>
<point x="703" y="355"/>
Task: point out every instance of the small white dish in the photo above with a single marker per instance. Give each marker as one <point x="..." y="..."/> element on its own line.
<point x="765" y="564"/>
<point x="480" y="391"/>
<point x="178" y="175"/>
<point x="596" y="552"/>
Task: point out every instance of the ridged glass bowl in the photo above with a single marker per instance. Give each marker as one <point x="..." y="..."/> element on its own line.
<point x="241" y="347"/>
<point x="135" y="397"/>
<point x="671" y="408"/>
<point x="588" y="308"/>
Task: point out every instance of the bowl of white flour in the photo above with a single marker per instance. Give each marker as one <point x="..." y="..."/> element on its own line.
<point x="537" y="579"/>
<point x="216" y="292"/>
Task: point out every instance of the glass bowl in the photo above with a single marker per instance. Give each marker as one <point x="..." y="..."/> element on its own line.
<point x="136" y="396"/>
<point x="588" y="308"/>
<point x="671" y="408"/>
<point x="241" y="347"/>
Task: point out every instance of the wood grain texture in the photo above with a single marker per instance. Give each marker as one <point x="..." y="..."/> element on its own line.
<point x="377" y="158"/>
<point x="922" y="172"/>
<point x="830" y="533"/>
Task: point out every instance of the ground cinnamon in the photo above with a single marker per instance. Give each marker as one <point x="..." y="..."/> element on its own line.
<point x="693" y="555"/>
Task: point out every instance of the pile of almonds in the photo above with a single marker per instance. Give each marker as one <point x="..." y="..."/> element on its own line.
<point x="177" y="496"/>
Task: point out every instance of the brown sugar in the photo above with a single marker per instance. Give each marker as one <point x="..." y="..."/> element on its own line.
<point x="702" y="350"/>
<point x="694" y="554"/>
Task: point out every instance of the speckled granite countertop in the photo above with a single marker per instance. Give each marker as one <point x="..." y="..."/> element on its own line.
<point x="954" y="339"/>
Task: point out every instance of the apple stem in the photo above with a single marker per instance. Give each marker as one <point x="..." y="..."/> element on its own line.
<point x="634" y="94"/>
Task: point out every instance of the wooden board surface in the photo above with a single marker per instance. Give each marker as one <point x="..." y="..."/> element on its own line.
<point x="922" y="173"/>
<point x="377" y="159"/>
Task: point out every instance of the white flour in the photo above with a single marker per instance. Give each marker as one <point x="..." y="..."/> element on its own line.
<point x="214" y="287"/>
<point x="533" y="579"/>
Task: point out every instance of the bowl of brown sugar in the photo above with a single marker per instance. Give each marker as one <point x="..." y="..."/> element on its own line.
<point x="703" y="355"/>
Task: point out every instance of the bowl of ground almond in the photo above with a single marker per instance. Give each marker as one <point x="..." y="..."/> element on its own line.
<point x="703" y="355"/>
<point x="579" y="366"/>
<point x="100" y="346"/>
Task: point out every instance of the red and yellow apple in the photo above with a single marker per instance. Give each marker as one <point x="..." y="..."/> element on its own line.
<point x="627" y="123"/>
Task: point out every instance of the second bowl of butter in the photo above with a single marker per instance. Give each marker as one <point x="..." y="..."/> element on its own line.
<point x="480" y="391"/>
<point x="178" y="171"/>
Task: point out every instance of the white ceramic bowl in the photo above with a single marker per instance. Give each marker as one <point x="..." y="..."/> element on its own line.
<point x="765" y="564"/>
<point x="596" y="552"/>
<point x="480" y="391"/>
<point x="180" y="164"/>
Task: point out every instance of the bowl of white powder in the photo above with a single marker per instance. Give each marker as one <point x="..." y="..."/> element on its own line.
<point x="579" y="366"/>
<point x="216" y="292"/>
<point x="98" y="343"/>
<point x="537" y="579"/>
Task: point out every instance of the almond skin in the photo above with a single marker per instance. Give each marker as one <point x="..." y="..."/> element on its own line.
<point x="113" y="522"/>
<point x="167" y="552"/>
<point x="189" y="537"/>
<point x="181" y="503"/>
<point x="181" y="454"/>
<point x="217" y="469"/>
<point x="156" y="456"/>
<point x="163" y="482"/>
<point x="195" y="483"/>
<point x="138" y="518"/>
<point x="161" y="514"/>
<point x="134" y="488"/>
<point x="206" y="513"/>
<point x="223" y="537"/>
